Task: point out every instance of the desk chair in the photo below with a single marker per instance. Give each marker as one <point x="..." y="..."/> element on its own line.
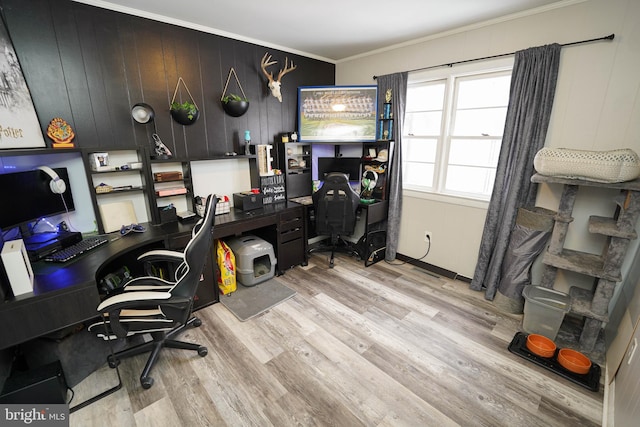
<point x="156" y="306"/>
<point x="335" y="205"/>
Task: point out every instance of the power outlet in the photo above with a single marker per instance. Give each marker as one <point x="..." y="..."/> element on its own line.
<point x="428" y="237"/>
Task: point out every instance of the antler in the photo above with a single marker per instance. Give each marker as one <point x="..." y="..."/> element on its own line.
<point x="264" y="63"/>
<point x="286" y="68"/>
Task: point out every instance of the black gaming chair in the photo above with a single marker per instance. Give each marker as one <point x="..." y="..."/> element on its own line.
<point x="162" y="308"/>
<point x="335" y="205"/>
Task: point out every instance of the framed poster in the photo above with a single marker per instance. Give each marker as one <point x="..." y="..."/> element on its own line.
<point x="337" y="113"/>
<point x="19" y="125"/>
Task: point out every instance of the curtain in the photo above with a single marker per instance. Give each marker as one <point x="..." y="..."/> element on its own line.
<point x="533" y="84"/>
<point x="398" y="84"/>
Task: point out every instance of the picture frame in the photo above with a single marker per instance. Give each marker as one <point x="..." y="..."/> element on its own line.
<point x="19" y="124"/>
<point x="337" y="113"/>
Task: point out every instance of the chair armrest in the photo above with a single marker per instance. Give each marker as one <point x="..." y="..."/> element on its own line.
<point x="147" y="282"/>
<point x="141" y="299"/>
<point x="161" y="255"/>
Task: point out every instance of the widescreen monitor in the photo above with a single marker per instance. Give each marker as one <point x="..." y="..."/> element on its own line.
<point x="26" y="197"/>
<point x="347" y="165"/>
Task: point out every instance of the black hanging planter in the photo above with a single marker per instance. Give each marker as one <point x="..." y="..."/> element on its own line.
<point x="185" y="113"/>
<point x="235" y="108"/>
<point x="185" y="117"/>
<point x="234" y="105"/>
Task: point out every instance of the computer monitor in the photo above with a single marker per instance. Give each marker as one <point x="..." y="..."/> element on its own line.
<point x="27" y="196"/>
<point x="346" y="165"/>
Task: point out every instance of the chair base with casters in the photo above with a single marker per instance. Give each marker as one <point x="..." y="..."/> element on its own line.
<point x="337" y="244"/>
<point x="159" y="341"/>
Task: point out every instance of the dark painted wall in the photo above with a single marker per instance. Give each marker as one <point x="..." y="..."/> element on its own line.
<point x="90" y="66"/>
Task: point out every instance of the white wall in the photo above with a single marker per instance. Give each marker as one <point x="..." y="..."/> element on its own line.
<point x="597" y="107"/>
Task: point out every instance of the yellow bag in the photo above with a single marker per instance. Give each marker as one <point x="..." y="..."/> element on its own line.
<point x="226" y="267"/>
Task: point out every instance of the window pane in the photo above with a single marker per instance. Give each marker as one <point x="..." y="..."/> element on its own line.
<point x="423" y="123"/>
<point x="419" y="149"/>
<point x="418" y="174"/>
<point x="466" y="179"/>
<point x="474" y="152"/>
<point x="425" y="97"/>
<point x="489" y="121"/>
<point x="484" y="92"/>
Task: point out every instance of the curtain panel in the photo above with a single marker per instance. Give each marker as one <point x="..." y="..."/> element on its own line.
<point x="533" y="84"/>
<point x="398" y="84"/>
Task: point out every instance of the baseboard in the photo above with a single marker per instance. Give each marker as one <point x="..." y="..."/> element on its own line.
<point x="433" y="268"/>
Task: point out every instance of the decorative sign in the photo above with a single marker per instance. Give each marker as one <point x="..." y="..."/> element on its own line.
<point x="19" y="125"/>
<point x="273" y="189"/>
<point x="60" y="133"/>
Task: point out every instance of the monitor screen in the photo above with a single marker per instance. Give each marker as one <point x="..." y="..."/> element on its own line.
<point x="26" y="196"/>
<point x="347" y="165"/>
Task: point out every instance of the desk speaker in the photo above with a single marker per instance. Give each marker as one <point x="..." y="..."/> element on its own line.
<point x="42" y="385"/>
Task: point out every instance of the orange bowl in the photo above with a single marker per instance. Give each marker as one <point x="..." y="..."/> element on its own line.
<point x="574" y="361"/>
<point x="541" y="345"/>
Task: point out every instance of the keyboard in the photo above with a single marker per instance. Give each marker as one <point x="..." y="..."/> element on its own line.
<point x="71" y="252"/>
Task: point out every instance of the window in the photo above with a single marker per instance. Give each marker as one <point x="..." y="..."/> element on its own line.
<point x="453" y="129"/>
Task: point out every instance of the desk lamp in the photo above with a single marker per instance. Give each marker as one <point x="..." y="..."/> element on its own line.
<point x="143" y="113"/>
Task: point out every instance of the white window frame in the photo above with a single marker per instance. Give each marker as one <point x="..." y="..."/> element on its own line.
<point x="450" y="75"/>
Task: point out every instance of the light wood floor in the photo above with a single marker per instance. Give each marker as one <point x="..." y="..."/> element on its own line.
<point x="385" y="345"/>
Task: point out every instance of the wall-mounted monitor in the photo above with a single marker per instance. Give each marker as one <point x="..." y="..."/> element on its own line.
<point x="337" y="113"/>
<point x="26" y="197"/>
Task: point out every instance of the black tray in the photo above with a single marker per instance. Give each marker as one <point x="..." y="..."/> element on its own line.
<point x="590" y="380"/>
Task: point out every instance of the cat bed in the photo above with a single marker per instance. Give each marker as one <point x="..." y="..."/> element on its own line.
<point x="599" y="166"/>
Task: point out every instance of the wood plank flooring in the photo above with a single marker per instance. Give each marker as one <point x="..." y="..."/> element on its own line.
<point x="387" y="345"/>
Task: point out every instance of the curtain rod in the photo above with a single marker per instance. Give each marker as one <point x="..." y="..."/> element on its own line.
<point x="451" y="64"/>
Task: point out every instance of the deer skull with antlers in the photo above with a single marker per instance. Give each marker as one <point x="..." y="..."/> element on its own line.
<point x="274" y="85"/>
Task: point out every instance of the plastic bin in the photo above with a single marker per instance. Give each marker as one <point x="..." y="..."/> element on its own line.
<point x="255" y="260"/>
<point x="544" y="310"/>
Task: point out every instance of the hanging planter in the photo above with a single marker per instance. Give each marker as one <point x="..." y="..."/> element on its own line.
<point x="186" y="113"/>
<point x="232" y="104"/>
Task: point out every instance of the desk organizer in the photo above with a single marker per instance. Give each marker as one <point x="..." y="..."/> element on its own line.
<point x="590" y="380"/>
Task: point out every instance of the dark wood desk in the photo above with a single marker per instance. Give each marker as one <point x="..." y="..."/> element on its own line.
<point x="67" y="294"/>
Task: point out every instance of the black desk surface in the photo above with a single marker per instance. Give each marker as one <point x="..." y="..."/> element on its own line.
<point x="67" y="294"/>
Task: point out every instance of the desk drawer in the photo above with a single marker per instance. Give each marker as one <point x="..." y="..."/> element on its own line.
<point x="289" y="235"/>
<point x="291" y="254"/>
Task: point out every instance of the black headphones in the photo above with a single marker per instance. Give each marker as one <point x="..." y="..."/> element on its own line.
<point x="57" y="184"/>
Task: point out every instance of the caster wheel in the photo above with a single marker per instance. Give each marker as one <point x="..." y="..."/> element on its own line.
<point x="197" y="323"/>
<point x="113" y="362"/>
<point x="146" y="382"/>
<point x="202" y="351"/>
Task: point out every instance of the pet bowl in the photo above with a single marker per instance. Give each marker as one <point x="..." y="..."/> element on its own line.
<point x="541" y="345"/>
<point x="574" y="361"/>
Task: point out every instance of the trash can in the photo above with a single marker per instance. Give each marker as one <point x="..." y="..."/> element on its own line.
<point x="529" y="237"/>
<point x="544" y="310"/>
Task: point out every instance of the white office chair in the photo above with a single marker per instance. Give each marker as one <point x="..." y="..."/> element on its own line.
<point x="161" y="308"/>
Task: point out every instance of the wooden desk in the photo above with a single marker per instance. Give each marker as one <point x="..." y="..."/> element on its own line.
<point x="67" y="294"/>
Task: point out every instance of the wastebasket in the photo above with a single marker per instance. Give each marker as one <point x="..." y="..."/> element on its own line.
<point x="528" y="238"/>
<point x="544" y="310"/>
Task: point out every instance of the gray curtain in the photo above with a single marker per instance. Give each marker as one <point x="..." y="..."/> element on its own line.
<point x="533" y="85"/>
<point x="398" y="84"/>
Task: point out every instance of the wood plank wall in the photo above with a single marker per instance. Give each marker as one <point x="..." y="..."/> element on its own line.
<point x="90" y="66"/>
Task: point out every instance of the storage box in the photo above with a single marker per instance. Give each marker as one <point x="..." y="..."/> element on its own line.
<point x="544" y="310"/>
<point x="167" y="214"/>
<point x="247" y="200"/>
<point x="255" y="260"/>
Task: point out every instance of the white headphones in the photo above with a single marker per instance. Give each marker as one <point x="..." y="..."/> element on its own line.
<point x="57" y="184"/>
